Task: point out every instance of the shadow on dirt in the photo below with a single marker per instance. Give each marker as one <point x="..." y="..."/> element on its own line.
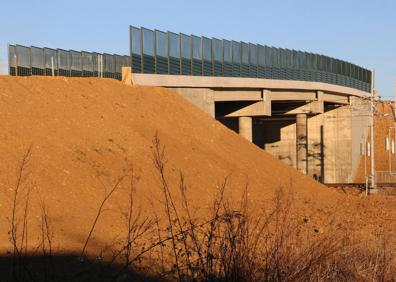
<point x="60" y="268"/>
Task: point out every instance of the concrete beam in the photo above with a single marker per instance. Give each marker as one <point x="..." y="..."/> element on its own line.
<point x="292" y="96"/>
<point x="241" y="82"/>
<point x="237" y="95"/>
<point x="336" y="99"/>
<point x="260" y="108"/>
<point x="315" y="107"/>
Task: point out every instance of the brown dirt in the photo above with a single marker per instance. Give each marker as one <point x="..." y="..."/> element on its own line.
<point x="87" y="131"/>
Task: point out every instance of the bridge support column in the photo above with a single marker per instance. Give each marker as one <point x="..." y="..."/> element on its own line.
<point x="302" y="143"/>
<point x="245" y="128"/>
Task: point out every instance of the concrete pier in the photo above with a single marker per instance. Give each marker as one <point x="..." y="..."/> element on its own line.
<point x="245" y="128"/>
<point x="302" y="143"/>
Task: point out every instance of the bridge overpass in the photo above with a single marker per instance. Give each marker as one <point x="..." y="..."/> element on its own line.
<point x="308" y="110"/>
<point x="318" y="128"/>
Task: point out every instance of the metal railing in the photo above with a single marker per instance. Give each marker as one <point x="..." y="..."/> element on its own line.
<point x="26" y="61"/>
<point x="158" y="52"/>
<point x="385" y="177"/>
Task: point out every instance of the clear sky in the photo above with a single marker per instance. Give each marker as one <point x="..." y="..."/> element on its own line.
<point x="360" y="31"/>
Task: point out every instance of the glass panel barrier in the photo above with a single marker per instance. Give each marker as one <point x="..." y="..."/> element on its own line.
<point x="174" y="53"/>
<point x="196" y="55"/>
<point x="282" y="63"/>
<point x="11" y="60"/>
<point x="23" y="60"/>
<point x="207" y="56"/>
<point x="244" y="59"/>
<point x="76" y="63"/>
<point x="136" y="51"/>
<point x="252" y="60"/>
<point x="37" y="60"/>
<point x="63" y="62"/>
<point x="260" y="61"/>
<point x="108" y="66"/>
<point x="217" y="47"/>
<point x="186" y="50"/>
<point x="119" y="63"/>
<point x="236" y="58"/>
<point x="268" y="62"/>
<point x="87" y="64"/>
<point x="275" y="63"/>
<point x="161" y="52"/>
<point x="51" y="62"/>
<point x="227" y="64"/>
<point x="148" y="51"/>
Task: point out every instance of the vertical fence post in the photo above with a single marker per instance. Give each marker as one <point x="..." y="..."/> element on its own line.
<point x="15" y="62"/>
<point x="52" y="66"/>
<point x="30" y="61"/>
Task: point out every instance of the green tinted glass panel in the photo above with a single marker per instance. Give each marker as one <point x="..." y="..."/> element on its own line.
<point x="207" y="49"/>
<point x="236" y="52"/>
<point x="161" y="44"/>
<point x="227" y="51"/>
<point x="135" y="40"/>
<point x="196" y="47"/>
<point x="174" y="45"/>
<point x="244" y="53"/>
<point x="185" y="46"/>
<point x="252" y="54"/>
<point x="261" y="55"/>
<point x="217" y="50"/>
<point x="148" y="42"/>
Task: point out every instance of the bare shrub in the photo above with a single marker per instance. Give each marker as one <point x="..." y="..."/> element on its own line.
<point x="18" y="220"/>
<point x="235" y="243"/>
<point x="108" y="191"/>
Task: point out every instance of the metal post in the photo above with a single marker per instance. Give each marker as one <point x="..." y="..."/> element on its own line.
<point x="15" y="63"/>
<point x="52" y="66"/>
<point x="101" y="66"/>
<point x="373" y="184"/>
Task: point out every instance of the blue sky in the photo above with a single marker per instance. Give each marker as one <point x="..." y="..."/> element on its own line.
<point x="362" y="32"/>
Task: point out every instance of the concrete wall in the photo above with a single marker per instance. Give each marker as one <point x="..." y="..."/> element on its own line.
<point x="337" y="136"/>
<point x="203" y="98"/>
<point x="329" y="145"/>
<point x="333" y="142"/>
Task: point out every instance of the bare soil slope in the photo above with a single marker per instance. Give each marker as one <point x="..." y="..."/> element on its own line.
<point x="84" y="134"/>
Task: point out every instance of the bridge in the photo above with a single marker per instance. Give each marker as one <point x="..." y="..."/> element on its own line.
<point x="310" y="111"/>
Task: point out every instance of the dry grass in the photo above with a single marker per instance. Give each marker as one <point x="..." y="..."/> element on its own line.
<point x="232" y="243"/>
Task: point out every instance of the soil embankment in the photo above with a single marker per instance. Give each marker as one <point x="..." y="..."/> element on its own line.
<point x="86" y="133"/>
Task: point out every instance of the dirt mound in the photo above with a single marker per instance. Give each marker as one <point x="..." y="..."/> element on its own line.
<point x="85" y="133"/>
